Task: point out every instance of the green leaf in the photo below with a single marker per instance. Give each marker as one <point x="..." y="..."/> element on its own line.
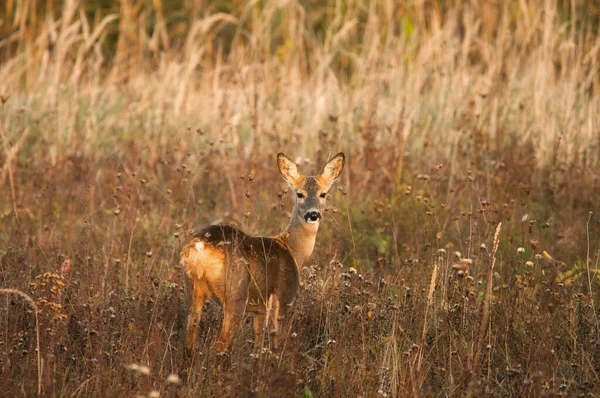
<point x="408" y="26"/>
<point x="306" y="393"/>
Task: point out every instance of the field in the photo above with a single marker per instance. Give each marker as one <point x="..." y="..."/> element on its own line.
<point x="460" y="253"/>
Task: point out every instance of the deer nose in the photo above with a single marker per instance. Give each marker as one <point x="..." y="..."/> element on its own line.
<point x="312" y="216"/>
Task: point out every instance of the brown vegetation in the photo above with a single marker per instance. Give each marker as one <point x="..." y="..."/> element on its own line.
<point x="126" y="130"/>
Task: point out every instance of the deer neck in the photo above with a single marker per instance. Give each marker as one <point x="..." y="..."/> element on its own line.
<point x="300" y="238"/>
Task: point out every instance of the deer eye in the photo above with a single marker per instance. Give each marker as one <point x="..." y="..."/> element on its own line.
<point x="300" y="195"/>
<point x="323" y="195"/>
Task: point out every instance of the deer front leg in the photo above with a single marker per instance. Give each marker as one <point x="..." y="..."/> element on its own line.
<point x="275" y="315"/>
<point x="280" y="323"/>
<point x="258" y="323"/>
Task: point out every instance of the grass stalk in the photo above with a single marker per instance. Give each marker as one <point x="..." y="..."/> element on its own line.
<point x="30" y="301"/>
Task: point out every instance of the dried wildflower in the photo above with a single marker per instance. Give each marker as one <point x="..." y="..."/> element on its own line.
<point x="534" y="244"/>
<point x="463" y="265"/>
<point x="133" y="367"/>
<point x="547" y="255"/>
<point x="173" y="379"/>
<point x="520" y="250"/>
<point x="512" y="372"/>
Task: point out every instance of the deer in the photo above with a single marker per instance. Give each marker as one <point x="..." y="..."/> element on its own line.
<point x="256" y="274"/>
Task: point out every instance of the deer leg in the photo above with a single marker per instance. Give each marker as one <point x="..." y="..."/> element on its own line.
<point x="232" y="320"/>
<point x="281" y="323"/>
<point x="258" y="323"/>
<point x="197" y="299"/>
<point x="276" y="326"/>
<point x="234" y="303"/>
<point x="234" y="308"/>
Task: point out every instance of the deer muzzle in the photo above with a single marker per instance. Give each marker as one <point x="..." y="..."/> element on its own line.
<point x="312" y="217"/>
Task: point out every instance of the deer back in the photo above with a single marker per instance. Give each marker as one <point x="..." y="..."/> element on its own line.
<point x="227" y="258"/>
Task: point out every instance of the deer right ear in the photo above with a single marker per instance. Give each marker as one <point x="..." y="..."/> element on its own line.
<point x="288" y="169"/>
<point x="333" y="168"/>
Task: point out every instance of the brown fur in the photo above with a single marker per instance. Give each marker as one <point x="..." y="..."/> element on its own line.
<point x="243" y="272"/>
<point x="255" y="274"/>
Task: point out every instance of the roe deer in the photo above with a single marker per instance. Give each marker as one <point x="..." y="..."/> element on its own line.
<point x="256" y="274"/>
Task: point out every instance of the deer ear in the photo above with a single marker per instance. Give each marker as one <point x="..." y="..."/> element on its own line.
<point x="288" y="169"/>
<point x="333" y="168"/>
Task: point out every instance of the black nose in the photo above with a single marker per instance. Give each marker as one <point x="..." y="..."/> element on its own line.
<point x="312" y="216"/>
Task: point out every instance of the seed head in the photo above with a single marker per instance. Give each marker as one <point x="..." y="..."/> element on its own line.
<point x="173" y="379"/>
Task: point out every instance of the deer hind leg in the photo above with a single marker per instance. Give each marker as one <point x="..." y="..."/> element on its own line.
<point x="197" y="299"/>
<point x="232" y="320"/>
<point x="234" y="308"/>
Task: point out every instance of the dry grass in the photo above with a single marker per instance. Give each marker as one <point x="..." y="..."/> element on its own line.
<point x="125" y="128"/>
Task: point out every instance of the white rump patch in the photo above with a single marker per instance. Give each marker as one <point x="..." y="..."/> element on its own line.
<point x="199" y="246"/>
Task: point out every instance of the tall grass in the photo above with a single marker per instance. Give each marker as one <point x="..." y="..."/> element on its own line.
<point x="126" y="126"/>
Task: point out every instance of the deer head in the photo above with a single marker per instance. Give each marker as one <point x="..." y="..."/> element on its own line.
<point x="310" y="191"/>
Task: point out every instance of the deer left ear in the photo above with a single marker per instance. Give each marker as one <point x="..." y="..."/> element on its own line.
<point x="288" y="169"/>
<point x="333" y="168"/>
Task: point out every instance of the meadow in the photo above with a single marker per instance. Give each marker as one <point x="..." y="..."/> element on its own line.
<point x="460" y="251"/>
